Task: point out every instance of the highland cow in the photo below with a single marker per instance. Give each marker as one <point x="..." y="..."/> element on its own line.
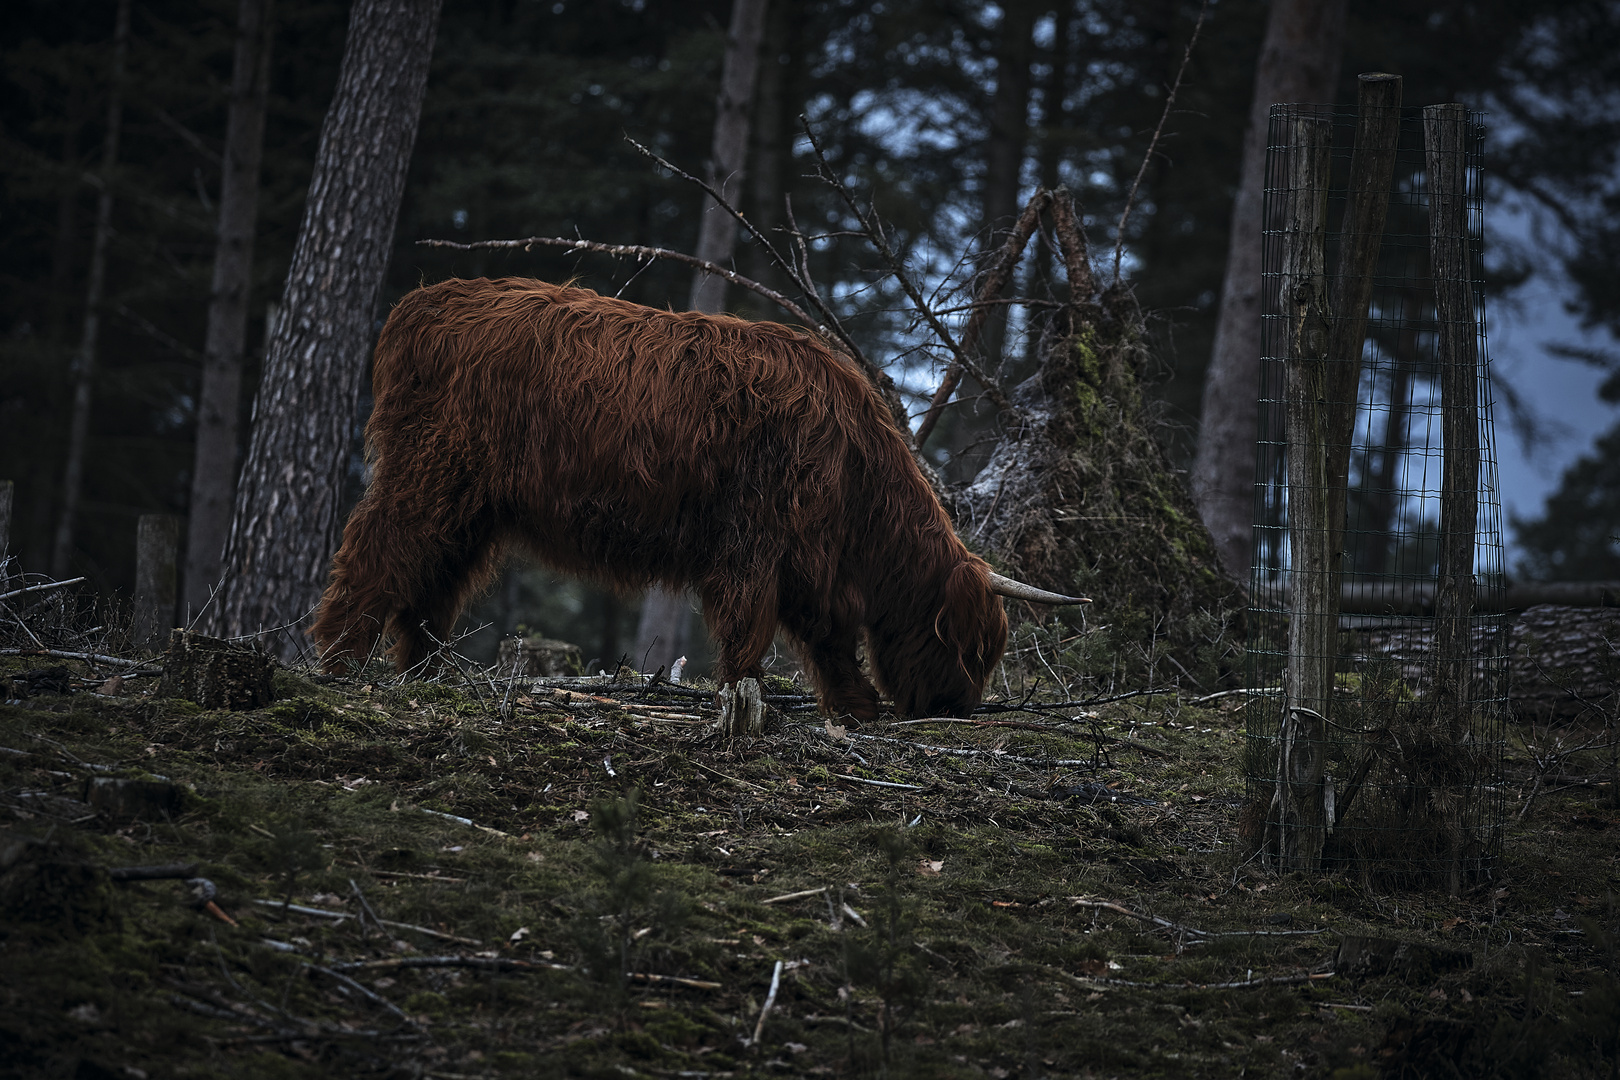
<point x="629" y="446"/>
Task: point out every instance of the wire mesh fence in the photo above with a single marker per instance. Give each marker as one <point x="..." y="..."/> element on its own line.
<point x="1377" y="655"/>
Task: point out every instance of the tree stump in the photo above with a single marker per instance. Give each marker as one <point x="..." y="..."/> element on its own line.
<point x="539" y="656"/>
<point x="216" y="674"/>
<point x="742" y="708"/>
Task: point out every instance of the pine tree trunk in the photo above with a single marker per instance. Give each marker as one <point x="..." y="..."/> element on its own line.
<point x="1299" y="62"/>
<point x="1004" y="154"/>
<point x="213" y="475"/>
<point x="289" y="498"/>
<point x="84" y="361"/>
<point x="664" y="631"/>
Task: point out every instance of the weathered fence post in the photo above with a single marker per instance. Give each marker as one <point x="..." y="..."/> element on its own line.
<point x="1445" y="132"/>
<point x="1298" y="812"/>
<point x="157" y="542"/>
<point x="1445" y="135"/>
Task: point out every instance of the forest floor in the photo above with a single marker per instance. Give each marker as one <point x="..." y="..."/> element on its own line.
<point x="585" y="882"/>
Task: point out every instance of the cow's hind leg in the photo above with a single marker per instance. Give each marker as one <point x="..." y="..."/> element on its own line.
<point x="405" y="568"/>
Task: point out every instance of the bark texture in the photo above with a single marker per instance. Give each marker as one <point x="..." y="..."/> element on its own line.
<point x="1299" y="62"/>
<point x="288" y="502"/>
<point x="157" y="543"/>
<point x="213" y="473"/>
<point x="84" y="360"/>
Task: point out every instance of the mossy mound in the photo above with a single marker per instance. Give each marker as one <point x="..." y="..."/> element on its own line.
<point x="1083" y="496"/>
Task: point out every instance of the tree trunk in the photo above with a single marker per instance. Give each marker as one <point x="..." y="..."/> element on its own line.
<point x="1299" y="62"/>
<point x="717" y="231"/>
<point x="664" y="631"/>
<point x="84" y="361"/>
<point x="213" y="474"/>
<point x="157" y="540"/>
<point x="1004" y="154"/>
<point x="289" y="498"/>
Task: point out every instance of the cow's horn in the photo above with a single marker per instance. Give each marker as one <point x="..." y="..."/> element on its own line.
<point x="1006" y="586"/>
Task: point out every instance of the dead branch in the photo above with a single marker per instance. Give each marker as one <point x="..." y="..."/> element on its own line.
<point x="46" y="587"/>
<point x="1153" y="143"/>
<point x="799" y="273"/>
<point x="874" y="235"/>
<point x="999" y="272"/>
<point x="643" y="252"/>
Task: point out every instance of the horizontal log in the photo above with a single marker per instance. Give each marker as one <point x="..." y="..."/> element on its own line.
<point x="1413" y="598"/>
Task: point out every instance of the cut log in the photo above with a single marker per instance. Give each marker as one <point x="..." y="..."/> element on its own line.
<point x="539" y="656"/>
<point x="216" y="674"/>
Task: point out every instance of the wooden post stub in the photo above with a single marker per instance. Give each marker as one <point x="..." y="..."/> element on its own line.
<point x="157" y="543"/>
<point x="216" y="674"/>
<point x="742" y="708"/>
<point x="1297" y="802"/>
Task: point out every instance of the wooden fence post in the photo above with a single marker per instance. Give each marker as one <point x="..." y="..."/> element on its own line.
<point x="157" y="542"/>
<point x="1445" y="138"/>
<point x="1445" y="133"/>
<point x="1298" y="813"/>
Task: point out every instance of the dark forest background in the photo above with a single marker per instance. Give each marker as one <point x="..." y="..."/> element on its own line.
<point x="524" y="133"/>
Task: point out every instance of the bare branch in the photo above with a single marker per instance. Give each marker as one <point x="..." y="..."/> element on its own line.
<point x="1130" y="199"/>
<point x="1000" y="271"/>
<point x="641" y="252"/>
<point x="874" y="233"/>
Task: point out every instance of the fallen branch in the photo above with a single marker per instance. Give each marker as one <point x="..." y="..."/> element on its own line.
<point x="1191" y="931"/>
<point x="299" y="909"/>
<point x="367" y="993"/>
<point x="770" y="1001"/>
<point x="458" y="819"/>
<point x="879" y="783"/>
<point x="730" y="779"/>
<point x="1000" y="755"/>
<point x="675" y="980"/>
<point x="481" y="963"/>
<point x="88" y="657"/>
<point x="800" y="895"/>
<point x="46" y="587"/>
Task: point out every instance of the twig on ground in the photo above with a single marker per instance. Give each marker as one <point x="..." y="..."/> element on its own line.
<point x="463" y="821"/>
<point x="299" y="909"/>
<point x="730" y="779"/>
<point x="675" y="980"/>
<point x="770" y="1001"/>
<point x="484" y="963"/>
<point x="954" y="751"/>
<point x="879" y="783"/>
<point x="1191" y="931"/>
<point x="800" y="895"/>
<point x="367" y="993"/>
<point x="1231" y="693"/>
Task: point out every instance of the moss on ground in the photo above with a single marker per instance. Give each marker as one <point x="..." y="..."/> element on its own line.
<point x="957" y="926"/>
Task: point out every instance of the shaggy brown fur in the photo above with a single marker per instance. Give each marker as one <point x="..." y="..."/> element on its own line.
<point x="630" y="445"/>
